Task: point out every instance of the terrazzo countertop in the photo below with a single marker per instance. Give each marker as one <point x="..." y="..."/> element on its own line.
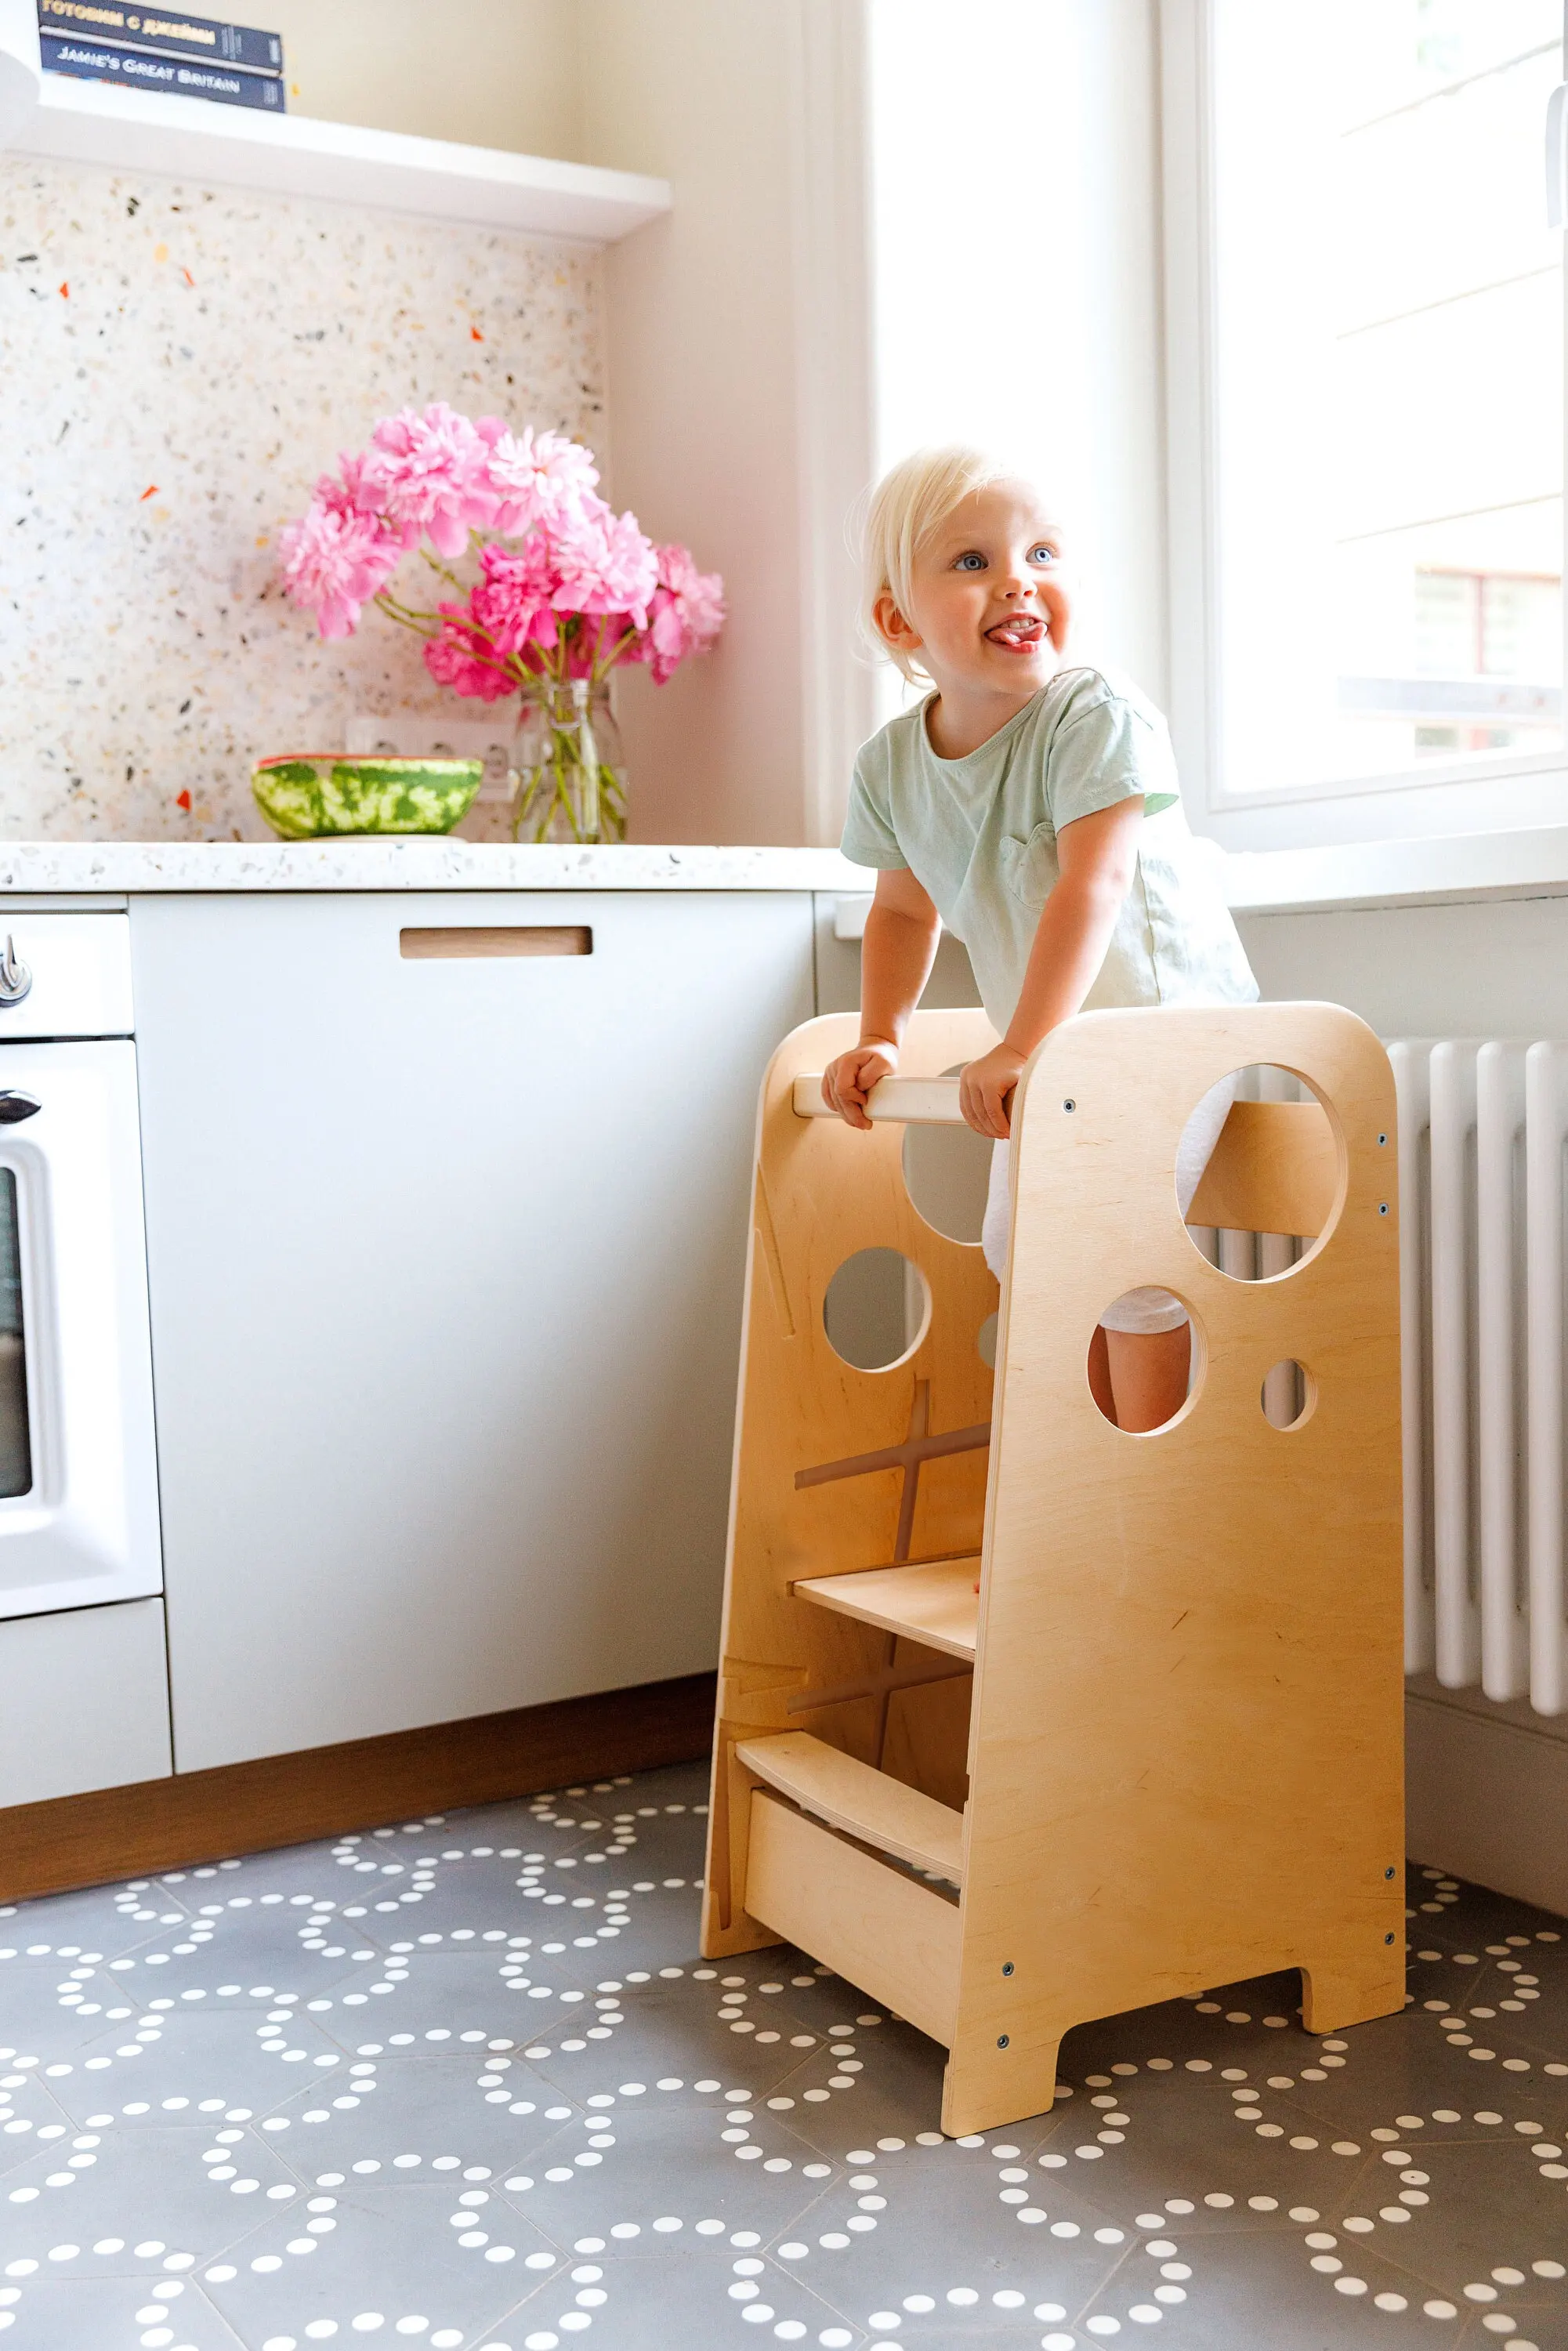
<point x="80" y="868"/>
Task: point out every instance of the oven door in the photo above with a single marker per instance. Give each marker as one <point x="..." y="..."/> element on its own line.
<point x="78" y="1489"/>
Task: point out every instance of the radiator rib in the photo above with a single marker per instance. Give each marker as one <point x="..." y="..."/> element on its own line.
<point x="1413" y="1086"/>
<point x="1499" y="1125"/>
<point x="1544" y="1098"/>
<point x="1453" y="1114"/>
<point x="1481" y="1275"/>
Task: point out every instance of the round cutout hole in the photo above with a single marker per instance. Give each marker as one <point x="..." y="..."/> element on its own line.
<point x="1145" y="1361"/>
<point x="946" y="1171"/>
<point x="876" y="1309"/>
<point x="1288" y="1394"/>
<point x="1244" y="1173"/>
<point x="986" y="1341"/>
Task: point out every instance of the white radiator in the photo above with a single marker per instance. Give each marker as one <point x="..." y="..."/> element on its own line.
<point x="1482" y="1126"/>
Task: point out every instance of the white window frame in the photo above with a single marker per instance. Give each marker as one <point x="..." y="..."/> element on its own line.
<point x="1482" y="794"/>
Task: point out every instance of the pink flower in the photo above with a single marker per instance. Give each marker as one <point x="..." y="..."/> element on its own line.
<point x="334" y="559"/>
<point x="512" y="603"/>
<point x="460" y="658"/>
<point x="533" y="476"/>
<point x="605" y="563"/>
<point x="584" y="590"/>
<point x="698" y="596"/>
<point x="428" y="474"/>
<point x="684" y="614"/>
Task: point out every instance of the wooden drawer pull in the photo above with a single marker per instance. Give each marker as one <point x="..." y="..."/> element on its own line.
<point x="496" y="939"/>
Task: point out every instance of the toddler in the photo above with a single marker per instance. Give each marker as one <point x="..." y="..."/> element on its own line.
<point x="1032" y="805"/>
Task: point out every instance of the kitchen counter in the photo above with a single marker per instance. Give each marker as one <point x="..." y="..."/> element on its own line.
<point x="83" y="868"/>
<point x="1457" y="870"/>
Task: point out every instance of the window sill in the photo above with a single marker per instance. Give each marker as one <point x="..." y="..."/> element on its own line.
<point x="1448" y="870"/>
<point x="1454" y="869"/>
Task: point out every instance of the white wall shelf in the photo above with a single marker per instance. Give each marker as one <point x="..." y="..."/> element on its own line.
<point x="295" y="155"/>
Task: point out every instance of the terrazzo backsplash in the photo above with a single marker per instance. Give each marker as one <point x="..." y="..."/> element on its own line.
<point x="180" y="363"/>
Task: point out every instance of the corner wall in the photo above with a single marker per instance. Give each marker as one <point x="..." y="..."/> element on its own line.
<point x="707" y="315"/>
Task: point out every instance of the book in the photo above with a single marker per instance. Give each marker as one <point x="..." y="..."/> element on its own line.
<point x="136" y="70"/>
<point x="203" y="37"/>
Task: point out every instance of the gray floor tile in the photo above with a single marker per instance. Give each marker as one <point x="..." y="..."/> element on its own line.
<point x="207" y="2060"/>
<point x="929" y="2223"/>
<point x="398" y="2254"/>
<point x="133" y="2190"/>
<point x="67" y="2313"/>
<point x="29" y="2118"/>
<point x="35" y="2009"/>
<point x="419" y="2107"/>
<point x="663" y="2163"/>
<point x="205" y="2144"/>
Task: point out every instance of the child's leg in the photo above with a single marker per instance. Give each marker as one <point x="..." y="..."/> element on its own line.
<point x="1145" y="1344"/>
<point x="1148" y="1341"/>
<point x="1146" y="1372"/>
<point x="1100" y="1387"/>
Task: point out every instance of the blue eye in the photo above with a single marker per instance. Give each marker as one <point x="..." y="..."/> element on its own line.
<point x="1043" y="553"/>
<point x="971" y="562"/>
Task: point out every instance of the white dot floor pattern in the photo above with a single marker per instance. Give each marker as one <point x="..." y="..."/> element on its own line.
<point x="461" y="2084"/>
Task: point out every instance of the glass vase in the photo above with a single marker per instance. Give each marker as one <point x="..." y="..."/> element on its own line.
<point x="571" y="777"/>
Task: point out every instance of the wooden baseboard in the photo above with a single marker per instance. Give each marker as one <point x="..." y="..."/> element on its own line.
<point x="280" y="1799"/>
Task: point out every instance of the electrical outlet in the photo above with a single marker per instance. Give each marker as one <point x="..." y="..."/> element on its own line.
<point x="409" y="735"/>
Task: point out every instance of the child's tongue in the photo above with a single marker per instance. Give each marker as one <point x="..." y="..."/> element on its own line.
<point x="1025" y="631"/>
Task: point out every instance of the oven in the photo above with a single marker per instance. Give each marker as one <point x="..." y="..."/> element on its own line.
<point x="81" y="1570"/>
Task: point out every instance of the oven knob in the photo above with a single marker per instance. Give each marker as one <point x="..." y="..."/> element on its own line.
<point x="16" y="978"/>
<point x="15" y="1106"/>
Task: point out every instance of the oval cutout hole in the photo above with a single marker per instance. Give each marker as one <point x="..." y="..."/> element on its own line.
<point x="876" y="1309"/>
<point x="1258" y="1173"/>
<point x="946" y="1173"/>
<point x="1288" y="1395"/>
<point x="1144" y="1373"/>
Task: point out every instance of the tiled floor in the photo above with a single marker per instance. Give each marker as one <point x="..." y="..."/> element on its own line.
<point x="351" y="2091"/>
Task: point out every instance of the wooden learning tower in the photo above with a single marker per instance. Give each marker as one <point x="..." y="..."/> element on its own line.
<point x="1159" y="1748"/>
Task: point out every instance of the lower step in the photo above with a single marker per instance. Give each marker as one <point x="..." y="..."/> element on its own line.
<point x="887" y="1933"/>
<point x="865" y="1803"/>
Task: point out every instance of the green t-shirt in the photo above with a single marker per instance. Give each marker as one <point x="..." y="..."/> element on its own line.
<point x="979" y="835"/>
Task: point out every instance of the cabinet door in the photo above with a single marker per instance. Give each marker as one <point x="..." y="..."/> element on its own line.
<point x="446" y="1256"/>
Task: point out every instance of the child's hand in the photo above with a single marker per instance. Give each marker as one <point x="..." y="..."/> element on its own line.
<point x="984" y="1090"/>
<point x="847" y="1081"/>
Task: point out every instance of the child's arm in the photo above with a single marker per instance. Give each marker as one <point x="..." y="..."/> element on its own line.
<point x="896" y="955"/>
<point x="1098" y="856"/>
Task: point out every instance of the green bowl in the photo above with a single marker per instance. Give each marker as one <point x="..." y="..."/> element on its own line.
<point x="313" y="795"/>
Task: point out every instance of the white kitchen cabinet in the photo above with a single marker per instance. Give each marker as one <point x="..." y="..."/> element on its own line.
<point x="86" y="1701"/>
<point x="445" y="1260"/>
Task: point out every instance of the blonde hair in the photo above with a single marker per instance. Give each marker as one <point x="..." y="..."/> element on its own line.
<point x="911" y="501"/>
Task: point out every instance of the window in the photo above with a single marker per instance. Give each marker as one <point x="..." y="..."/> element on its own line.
<point x="1366" y="403"/>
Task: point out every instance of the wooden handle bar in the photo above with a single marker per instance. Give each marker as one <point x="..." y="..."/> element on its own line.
<point x="917" y="1102"/>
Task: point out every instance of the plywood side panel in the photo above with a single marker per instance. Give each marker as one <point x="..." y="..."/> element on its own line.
<point x="823" y="1192"/>
<point x="1186" y="1744"/>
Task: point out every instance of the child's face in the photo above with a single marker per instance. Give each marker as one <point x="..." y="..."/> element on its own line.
<point x="990" y="599"/>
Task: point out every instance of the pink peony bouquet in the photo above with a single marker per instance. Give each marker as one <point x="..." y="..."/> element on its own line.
<point x="579" y="590"/>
